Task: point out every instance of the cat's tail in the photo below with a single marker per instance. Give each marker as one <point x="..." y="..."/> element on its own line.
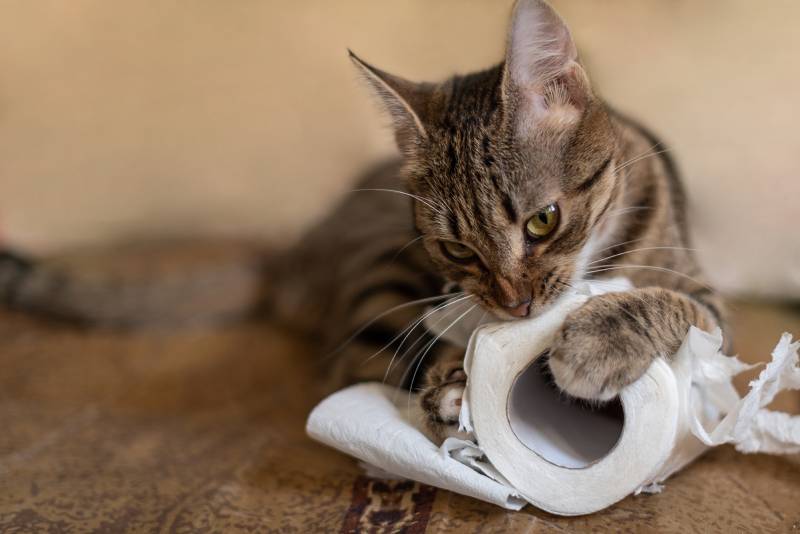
<point x="13" y="269"/>
<point x="144" y="284"/>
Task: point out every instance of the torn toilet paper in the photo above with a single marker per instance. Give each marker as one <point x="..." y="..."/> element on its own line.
<point x="530" y="445"/>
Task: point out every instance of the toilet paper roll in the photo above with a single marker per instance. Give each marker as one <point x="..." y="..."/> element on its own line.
<point x="529" y="443"/>
<point x="560" y="455"/>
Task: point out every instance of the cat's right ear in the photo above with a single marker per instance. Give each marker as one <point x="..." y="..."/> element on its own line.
<point x="405" y="101"/>
<point x="542" y="72"/>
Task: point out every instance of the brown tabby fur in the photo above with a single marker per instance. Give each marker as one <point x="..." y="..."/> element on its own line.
<point x="482" y="153"/>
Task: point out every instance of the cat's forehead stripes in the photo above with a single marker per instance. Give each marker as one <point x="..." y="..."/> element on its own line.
<point x="474" y="162"/>
<point x="462" y="161"/>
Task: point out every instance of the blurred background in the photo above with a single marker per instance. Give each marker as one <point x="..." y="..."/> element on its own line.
<point x="130" y="119"/>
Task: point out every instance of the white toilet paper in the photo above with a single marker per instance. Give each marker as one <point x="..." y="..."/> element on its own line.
<point x="533" y="444"/>
<point x="560" y="456"/>
<point x="365" y="421"/>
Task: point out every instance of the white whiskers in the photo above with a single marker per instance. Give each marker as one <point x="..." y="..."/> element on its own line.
<point x="435" y="206"/>
<point x="648" y="154"/>
<point x="430" y="345"/>
<point x="417" y="323"/>
<point x="410" y="243"/>
<point x="642" y="249"/>
<point x="380" y="316"/>
<point x="651" y="267"/>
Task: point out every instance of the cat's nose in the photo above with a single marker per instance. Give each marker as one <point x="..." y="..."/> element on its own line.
<point x="520" y="310"/>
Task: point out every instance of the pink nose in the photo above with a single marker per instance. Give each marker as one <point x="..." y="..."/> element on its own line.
<point x="519" y="310"/>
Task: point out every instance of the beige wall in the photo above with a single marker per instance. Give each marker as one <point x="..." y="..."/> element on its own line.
<point x="122" y="118"/>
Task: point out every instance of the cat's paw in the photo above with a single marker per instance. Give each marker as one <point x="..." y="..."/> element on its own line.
<point x="441" y="399"/>
<point x="600" y="350"/>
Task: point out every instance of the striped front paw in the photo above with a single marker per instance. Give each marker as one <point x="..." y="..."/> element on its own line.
<point x="601" y="348"/>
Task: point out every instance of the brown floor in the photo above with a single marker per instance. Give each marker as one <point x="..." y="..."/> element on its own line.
<point x="201" y="429"/>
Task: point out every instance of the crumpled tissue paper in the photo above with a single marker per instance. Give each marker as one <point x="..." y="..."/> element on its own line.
<point x="528" y="444"/>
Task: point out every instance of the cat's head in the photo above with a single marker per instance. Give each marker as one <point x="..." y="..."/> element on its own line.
<point x="512" y="167"/>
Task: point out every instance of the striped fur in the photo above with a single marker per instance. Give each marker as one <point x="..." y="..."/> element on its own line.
<point x="482" y="154"/>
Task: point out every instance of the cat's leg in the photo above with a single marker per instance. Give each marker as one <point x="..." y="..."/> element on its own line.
<point x="440" y="397"/>
<point x="611" y="340"/>
<point x="439" y="376"/>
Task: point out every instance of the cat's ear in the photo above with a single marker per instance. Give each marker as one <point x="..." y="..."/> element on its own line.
<point x="542" y="72"/>
<point x="405" y="101"/>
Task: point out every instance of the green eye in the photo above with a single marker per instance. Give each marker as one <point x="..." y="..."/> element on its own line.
<point x="457" y="251"/>
<point x="543" y="223"/>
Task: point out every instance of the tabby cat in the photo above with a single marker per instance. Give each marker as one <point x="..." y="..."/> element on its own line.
<point x="515" y="182"/>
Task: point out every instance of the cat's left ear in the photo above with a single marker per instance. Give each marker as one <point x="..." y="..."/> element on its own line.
<point x="406" y="101"/>
<point x="542" y="73"/>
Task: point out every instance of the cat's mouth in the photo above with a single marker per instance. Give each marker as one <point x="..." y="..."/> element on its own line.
<point x="521" y="311"/>
<point x="500" y="315"/>
<point x="527" y="309"/>
<point x="533" y="308"/>
<point x="489" y="306"/>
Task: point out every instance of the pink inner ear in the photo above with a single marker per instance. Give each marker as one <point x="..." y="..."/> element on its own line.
<point x="538" y="104"/>
<point x="569" y="88"/>
<point x="556" y="105"/>
<point x="543" y="69"/>
<point x="539" y="46"/>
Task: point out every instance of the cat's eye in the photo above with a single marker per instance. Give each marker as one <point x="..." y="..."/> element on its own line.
<point x="543" y="222"/>
<point x="457" y="251"/>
